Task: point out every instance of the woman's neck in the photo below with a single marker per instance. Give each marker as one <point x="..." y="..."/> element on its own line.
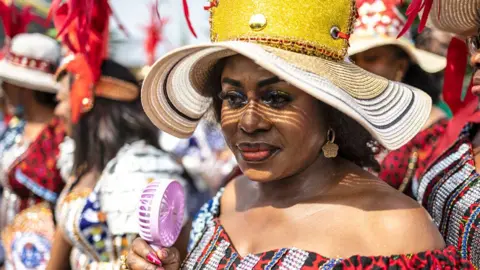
<point x="36" y="113"/>
<point x="36" y="117"/>
<point x="314" y="181"/>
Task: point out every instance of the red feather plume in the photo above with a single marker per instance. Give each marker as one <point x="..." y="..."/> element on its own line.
<point x="83" y="27"/>
<point x="415" y="7"/>
<point x="16" y="21"/>
<point x="154" y="33"/>
<point x="186" y="12"/>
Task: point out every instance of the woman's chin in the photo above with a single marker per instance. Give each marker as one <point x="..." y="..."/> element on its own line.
<point x="258" y="175"/>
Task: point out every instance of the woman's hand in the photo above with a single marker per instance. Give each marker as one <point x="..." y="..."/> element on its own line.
<point x="141" y="256"/>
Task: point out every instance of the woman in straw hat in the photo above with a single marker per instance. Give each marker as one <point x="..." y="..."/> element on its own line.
<point x="375" y="47"/>
<point x="115" y="153"/>
<point x="449" y="188"/>
<point x="29" y="148"/>
<point x="298" y="118"/>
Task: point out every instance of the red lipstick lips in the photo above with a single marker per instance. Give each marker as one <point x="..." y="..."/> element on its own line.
<point x="257" y="152"/>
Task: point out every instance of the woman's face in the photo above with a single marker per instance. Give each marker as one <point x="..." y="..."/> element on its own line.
<point x="382" y="61"/>
<point x="62" y="110"/>
<point x="16" y="98"/>
<point x="14" y="94"/>
<point x="274" y="129"/>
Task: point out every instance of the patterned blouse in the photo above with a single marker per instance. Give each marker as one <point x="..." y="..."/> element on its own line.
<point x="100" y="223"/>
<point x="400" y="166"/>
<point x="450" y="191"/>
<point x="211" y="248"/>
<point x="31" y="184"/>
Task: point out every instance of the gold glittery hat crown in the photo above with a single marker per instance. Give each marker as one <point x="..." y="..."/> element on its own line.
<point x="313" y="27"/>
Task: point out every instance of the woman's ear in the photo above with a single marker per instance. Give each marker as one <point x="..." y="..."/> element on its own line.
<point x="403" y="65"/>
<point x="401" y="69"/>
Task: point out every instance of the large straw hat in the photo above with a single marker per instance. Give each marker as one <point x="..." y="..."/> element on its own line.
<point x="302" y="42"/>
<point x="31" y="62"/>
<point x="460" y="17"/>
<point x="379" y="24"/>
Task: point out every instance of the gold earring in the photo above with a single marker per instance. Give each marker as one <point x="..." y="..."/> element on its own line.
<point x="330" y="148"/>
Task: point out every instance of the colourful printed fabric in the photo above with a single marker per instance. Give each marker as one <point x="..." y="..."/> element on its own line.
<point x="34" y="175"/>
<point x="450" y="191"/>
<point x="31" y="184"/>
<point x="28" y="239"/>
<point x="10" y="135"/>
<point x="211" y="248"/>
<point x="102" y="223"/>
<point x="399" y="167"/>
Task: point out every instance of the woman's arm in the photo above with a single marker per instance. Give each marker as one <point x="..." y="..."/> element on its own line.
<point x="60" y="252"/>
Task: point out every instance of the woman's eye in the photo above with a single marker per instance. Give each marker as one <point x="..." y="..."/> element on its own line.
<point x="235" y="99"/>
<point x="276" y="99"/>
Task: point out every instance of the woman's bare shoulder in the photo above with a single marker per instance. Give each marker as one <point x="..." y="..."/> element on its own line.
<point x="390" y="218"/>
<point x="402" y="222"/>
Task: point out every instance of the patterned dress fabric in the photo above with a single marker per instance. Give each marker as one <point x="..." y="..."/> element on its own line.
<point x="211" y="248"/>
<point x="11" y="130"/>
<point x="31" y="184"/>
<point x="450" y="191"/>
<point x="399" y="167"/>
<point x="9" y="151"/>
<point x="101" y="223"/>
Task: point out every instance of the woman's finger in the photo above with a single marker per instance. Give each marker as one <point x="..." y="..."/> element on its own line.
<point x="135" y="262"/>
<point x="170" y="257"/>
<point x="144" y="250"/>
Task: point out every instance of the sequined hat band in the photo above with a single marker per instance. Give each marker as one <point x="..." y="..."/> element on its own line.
<point x="27" y="62"/>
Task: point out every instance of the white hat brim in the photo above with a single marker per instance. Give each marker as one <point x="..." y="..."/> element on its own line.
<point x="171" y="93"/>
<point x="429" y="62"/>
<point x="28" y="78"/>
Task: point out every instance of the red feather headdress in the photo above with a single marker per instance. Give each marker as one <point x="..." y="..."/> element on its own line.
<point x="83" y="27"/>
<point x="415" y="7"/>
<point x="154" y="33"/>
<point x="15" y="21"/>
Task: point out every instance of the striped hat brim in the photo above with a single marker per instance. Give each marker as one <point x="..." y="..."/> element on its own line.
<point x="460" y="17"/>
<point x="391" y="112"/>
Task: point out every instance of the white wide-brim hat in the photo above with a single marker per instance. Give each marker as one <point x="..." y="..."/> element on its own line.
<point x="30" y="62"/>
<point x="391" y="112"/>
<point x="27" y="78"/>
<point x="429" y="62"/>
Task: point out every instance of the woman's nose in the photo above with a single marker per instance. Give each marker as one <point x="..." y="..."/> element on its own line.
<point x="254" y="119"/>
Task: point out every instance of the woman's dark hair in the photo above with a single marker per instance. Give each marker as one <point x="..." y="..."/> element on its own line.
<point x="46" y="99"/>
<point x="356" y="151"/>
<point x="109" y="125"/>
<point x="419" y="78"/>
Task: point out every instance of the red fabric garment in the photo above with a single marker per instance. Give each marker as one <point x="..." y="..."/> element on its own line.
<point x="7" y="118"/>
<point x="38" y="165"/>
<point x="454" y="74"/>
<point x="448" y="190"/>
<point x="215" y="250"/>
<point x="469" y="114"/>
<point x="394" y="168"/>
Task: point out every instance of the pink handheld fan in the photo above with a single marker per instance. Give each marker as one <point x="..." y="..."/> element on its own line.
<point x="160" y="212"/>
